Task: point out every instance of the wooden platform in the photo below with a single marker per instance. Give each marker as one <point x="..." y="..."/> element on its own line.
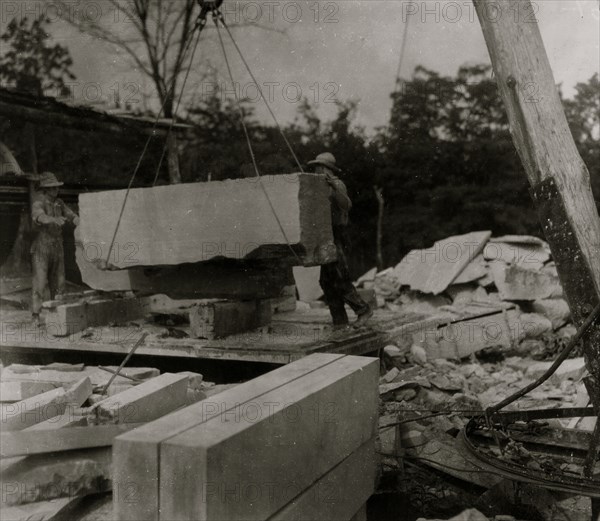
<point x="291" y="336"/>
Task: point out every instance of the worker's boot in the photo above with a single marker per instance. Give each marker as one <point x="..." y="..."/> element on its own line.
<point x="363" y="311"/>
<point x="35" y="320"/>
<point x="339" y="316"/>
<point x="363" y="315"/>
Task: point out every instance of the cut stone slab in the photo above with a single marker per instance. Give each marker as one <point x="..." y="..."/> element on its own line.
<point x="476" y="269"/>
<point x="48" y="476"/>
<point x="348" y="486"/>
<point x="369" y="276"/>
<point x="40" y="511"/>
<point x="416" y="302"/>
<point x="17" y="391"/>
<point x="571" y="368"/>
<point x="147" y="401"/>
<point x="307" y="283"/>
<point x="42" y="441"/>
<point x="556" y="310"/>
<point x="432" y="270"/>
<point x="222" y="452"/>
<point x="520" y="239"/>
<point x="518" y="283"/>
<point x="533" y="325"/>
<point x="223" y="279"/>
<point x="197" y="222"/>
<point x="66" y="319"/>
<point x="461" y="338"/>
<point x="97" y="376"/>
<point x="528" y="256"/>
<point x="137" y="453"/>
<point x="23" y="414"/>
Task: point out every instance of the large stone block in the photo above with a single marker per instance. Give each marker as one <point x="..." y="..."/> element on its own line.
<point x="196" y="222"/>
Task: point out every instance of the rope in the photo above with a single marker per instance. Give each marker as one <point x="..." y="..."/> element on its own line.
<point x="199" y="24"/>
<point x="216" y="19"/>
<point x="222" y="20"/>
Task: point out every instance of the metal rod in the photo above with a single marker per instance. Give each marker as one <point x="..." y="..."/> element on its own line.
<point x="126" y="359"/>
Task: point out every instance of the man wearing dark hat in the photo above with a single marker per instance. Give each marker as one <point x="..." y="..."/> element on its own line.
<point x="48" y="215"/>
<point x="335" y="277"/>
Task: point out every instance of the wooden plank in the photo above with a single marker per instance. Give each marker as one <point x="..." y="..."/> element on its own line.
<point x="197" y="222"/>
<point x="39" y="511"/>
<point x="224" y="318"/>
<point x="147" y="401"/>
<point x="40" y="441"/>
<point x="339" y="494"/>
<point x="433" y="269"/>
<point x="333" y="408"/>
<point x="136" y="453"/>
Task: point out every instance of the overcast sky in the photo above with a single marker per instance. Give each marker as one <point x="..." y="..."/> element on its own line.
<point x="350" y="49"/>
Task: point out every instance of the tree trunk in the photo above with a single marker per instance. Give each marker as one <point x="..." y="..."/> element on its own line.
<point x="380" y="205"/>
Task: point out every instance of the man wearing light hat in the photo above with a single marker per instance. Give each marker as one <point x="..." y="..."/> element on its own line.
<point x="335" y="277"/>
<point x="48" y="216"/>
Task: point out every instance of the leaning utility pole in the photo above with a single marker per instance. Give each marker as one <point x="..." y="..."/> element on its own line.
<point x="560" y="181"/>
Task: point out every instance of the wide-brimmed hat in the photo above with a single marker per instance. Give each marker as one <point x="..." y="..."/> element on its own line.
<point x="326" y="159"/>
<point x="48" y="180"/>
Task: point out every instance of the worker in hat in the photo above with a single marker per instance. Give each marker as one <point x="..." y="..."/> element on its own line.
<point x="48" y="214"/>
<point x="335" y="277"/>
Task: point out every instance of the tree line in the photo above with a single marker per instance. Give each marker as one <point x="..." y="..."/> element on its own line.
<point x="443" y="163"/>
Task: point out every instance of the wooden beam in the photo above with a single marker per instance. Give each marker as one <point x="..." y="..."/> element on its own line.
<point x="90" y="123"/>
<point x="559" y="178"/>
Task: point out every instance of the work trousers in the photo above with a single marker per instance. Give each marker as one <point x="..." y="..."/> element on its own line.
<point x="336" y="282"/>
<point x="48" y="265"/>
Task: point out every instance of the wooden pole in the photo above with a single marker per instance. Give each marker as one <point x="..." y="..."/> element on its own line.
<point x="559" y="179"/>
<point x="380" y="207"/>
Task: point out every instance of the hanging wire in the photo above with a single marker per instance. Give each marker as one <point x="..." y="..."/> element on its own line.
<point x="222" y="20"/>
<point x="198" y="26"/>
<point x="170" y="129"/>
<point x="216" y="19"/>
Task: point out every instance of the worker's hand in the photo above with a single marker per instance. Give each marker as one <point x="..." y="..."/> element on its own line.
<point x="76" y="220"/>
<point x="59" y="221"/>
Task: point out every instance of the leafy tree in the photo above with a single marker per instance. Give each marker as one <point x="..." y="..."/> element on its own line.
<point x="30" y="63"/>
<point x="583" y="114"/>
